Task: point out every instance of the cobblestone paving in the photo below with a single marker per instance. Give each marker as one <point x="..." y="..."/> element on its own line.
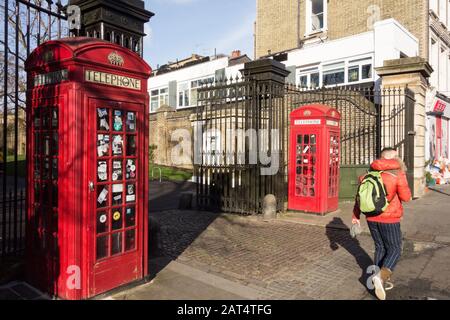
<point x="284" y="260"/>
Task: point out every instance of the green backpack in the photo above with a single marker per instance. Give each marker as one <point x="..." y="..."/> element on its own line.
<point x="372" y="197"/>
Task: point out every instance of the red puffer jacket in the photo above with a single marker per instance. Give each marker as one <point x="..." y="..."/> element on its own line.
<point x="397" y="190"/>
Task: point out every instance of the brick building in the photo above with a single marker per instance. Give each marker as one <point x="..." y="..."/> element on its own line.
<point x="320" y="39"/>
<point x="289" y="24"/>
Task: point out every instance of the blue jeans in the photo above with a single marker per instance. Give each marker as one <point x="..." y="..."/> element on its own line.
<point x="388" y="243"/>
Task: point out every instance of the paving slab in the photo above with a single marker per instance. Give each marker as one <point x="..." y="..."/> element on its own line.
<point x="181" y="282"/>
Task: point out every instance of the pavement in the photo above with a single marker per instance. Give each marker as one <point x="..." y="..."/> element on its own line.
<point x="216" y="256"/>
<point x="203" y="255"/>
<point x="425" y="219"/>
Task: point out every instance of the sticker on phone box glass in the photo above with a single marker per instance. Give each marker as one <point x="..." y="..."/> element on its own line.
<point x="130" y="193"/>
<point x="117" y="144"/>
<point x="131" y="121"/>
<point x="103" y="218"/>
<point x="102" y="144"/>
<point x="117" y="120"/>
<point x="102" y="196"/>
<point x="102" y="114"/>
<point x="102" y="170"/>
<point x="131" y="169"/>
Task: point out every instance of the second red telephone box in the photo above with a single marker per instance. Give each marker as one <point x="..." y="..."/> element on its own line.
<point x="87" y="119"/>
<point x="314" y="159"/>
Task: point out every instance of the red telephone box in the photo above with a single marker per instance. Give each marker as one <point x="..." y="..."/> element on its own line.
<point x="314" y="159"/>
<point x="87" y="116"/>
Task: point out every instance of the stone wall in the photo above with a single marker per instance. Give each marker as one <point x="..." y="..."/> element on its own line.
<point x="277" y="26"/>
<point x="413" y="72"/>
<point x="167" y="128"/>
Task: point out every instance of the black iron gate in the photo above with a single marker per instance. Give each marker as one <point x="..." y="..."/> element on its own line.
<point x="372" y="119"/>
<point x="25" y="25"/>
<point x="238" y="149"/>
<point x="242" y="127"/>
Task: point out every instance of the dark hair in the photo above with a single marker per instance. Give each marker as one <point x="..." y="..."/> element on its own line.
<point x="388" y="149"/>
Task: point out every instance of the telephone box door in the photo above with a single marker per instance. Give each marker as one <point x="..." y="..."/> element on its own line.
<point x="307" y="169"/>
<point x="117" y="172"/>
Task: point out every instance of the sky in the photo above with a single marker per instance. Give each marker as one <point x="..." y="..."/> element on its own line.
<point x="183" y="27"/>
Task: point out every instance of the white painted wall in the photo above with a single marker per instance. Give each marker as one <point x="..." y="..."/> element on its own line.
<point x="331" y="50"/>
<point x="391" y="38"/>
<point x="194" y="72"/>
<point x="234" y="71"/>
<point x="388" y="39"/>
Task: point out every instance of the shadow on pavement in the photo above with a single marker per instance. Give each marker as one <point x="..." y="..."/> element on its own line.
<point x="165" y="195"/>
<point x="439" y="191"/>
<point x="171" y="230"/>
<point x="337" y="234"/>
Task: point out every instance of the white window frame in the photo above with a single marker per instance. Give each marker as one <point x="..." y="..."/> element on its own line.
<point x="158" y="96"/>
<point x="198" y="83"/>
<point x="334" y="67"/>
<point x="434" y="6"/>
<point x="309" y="30"/>
<point x="448" y="14"/>
<point x="360" y="63"/>
<point x="184" y="88"/>
<point x="443" y="11"/>
<point x="190" y="85"/>
<point x="308" y="72"/>
<point x="355" y="61"/>
<point x="434" y="60"/>
<point x="154" y="97"/>
<point x="163" y="96"/>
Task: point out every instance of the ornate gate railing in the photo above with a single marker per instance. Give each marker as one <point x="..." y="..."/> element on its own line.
<point x="237" y="117"/>
<point x="25" y="25"/>
<point x="238" y="129"/>
<point x="372" y="119"/>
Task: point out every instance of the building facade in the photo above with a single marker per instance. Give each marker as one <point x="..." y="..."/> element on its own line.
<point x="175" y="84"/>
<point x="438" y="101"/>
<point x="290" y="24"/>
<point x="173" y="98"/>
<point x="309" y="35"/>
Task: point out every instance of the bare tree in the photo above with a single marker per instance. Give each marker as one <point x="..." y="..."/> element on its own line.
<point x="27" y="28"/>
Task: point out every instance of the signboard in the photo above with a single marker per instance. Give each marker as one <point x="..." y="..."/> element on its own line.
<point x="51" y="78"/>
<point x="112" y="79"/>
<point x="441" y="106"/>
<point x="307" y="122"/>
<point x="332" y="123"/>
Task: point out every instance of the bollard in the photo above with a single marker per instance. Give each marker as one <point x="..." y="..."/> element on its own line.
<point x="269" y="207"/>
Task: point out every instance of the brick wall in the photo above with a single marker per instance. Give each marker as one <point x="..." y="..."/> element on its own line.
<point x="280" y="23"/>
<point x="276" y="26"/>
<point x="162" y="125"/>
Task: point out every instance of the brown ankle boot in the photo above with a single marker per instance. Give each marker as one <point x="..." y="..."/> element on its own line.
<point x="385" y="274"/>
<point x="379" y="280"/>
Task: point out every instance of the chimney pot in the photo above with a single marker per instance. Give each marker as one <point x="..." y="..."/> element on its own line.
<point x="236" y="54"/>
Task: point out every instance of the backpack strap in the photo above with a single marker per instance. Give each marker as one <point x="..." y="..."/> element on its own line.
<point x="393" y="173"/>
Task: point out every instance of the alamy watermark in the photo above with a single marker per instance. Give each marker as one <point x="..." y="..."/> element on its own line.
<point x="214" y="146"/>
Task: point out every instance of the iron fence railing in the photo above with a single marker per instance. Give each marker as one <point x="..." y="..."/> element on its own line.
<point x="239" y="122"/>
<point x="26" y="24"/>
<point x="12" y="225"/>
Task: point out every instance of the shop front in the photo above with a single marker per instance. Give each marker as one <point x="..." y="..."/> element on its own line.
<point x="438" y="122"/>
